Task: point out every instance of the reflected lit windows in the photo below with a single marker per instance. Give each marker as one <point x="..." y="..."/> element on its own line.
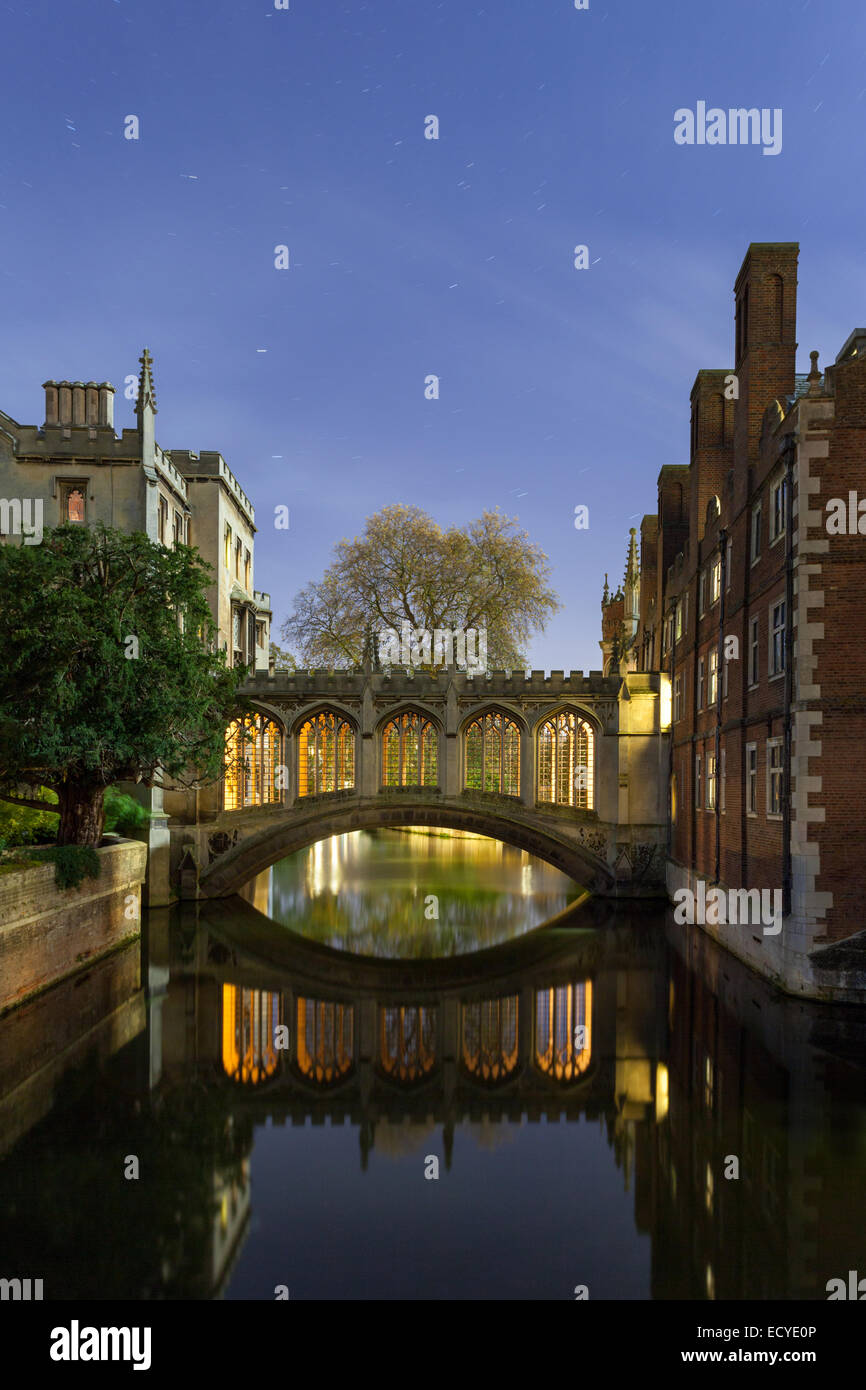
<point x="410" y="752"/>
<point x="407" y="1041"/>
<point x="326" y="1040"/>
<point x="563" y="1030"/>
<point x="489" y="1038"/>
<point x="326" y="755"/>
<point x="250" y="1020"/>
<point x="253" y="754"/>
<point x="566" y="761"/>
<point x="492" y="746"/>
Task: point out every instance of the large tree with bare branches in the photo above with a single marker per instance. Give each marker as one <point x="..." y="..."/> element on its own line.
<point x="404" y="567"/>
<point x="108" y="672"/>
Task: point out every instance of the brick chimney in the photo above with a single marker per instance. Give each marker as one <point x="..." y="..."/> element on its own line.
<point x="765" y="344"/>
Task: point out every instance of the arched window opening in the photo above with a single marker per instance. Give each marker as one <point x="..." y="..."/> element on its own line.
<point x="489" y="1038"/>
<point x="326" y="755"/>
<point x="326" y="1040"/>
<point x="410" y="755"/>
<point x="492" y="747"/>
<point x="563" y="1030"/>
<point x="407" y="1041"/>
<point x="250" y="1020"/>
<point x="252" y="757"/>
<point x="566" y="761"/>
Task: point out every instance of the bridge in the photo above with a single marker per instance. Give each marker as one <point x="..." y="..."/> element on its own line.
<point x="571" y="768"/>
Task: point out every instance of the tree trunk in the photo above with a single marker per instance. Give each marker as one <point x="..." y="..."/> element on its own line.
<point x="82" y="813"/>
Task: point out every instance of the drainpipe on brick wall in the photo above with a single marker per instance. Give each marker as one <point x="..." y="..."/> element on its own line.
<point x="672" y="611"/>
<point x="720" y="648"/>
<point x="789" y="449"/>
<point x="694" y="739"/>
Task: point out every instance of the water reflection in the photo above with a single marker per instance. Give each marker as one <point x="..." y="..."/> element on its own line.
<point x="584" y="1090"/>
<point x="414" y="892"/>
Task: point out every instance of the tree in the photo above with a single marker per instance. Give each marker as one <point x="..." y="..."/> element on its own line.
<point x="108" y="671"/>
<point x="281" y="660"/>
<point x="405" y="567"/>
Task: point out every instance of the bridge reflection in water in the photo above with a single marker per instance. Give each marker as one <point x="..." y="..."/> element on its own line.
<point x="494" y="1061"/>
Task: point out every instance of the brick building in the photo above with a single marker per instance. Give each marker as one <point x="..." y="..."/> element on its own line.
<point x="750" y="597"/>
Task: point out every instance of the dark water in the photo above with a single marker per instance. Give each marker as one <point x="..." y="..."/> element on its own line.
<point x="582" y="1090"/>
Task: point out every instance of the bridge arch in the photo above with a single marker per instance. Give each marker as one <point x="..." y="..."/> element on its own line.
<point x="511" y="823"/>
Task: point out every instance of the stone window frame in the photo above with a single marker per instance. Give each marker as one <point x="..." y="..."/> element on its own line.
<point x="756" y="526"/>
<point x="698" y="804"/>
<point x="754" y="653"/>
<point x="773" y="672"/>
<point x="63" y="484"/>
<point x="710" y="790"/>
<point x="778" y="508"/>
<point x="775" y="775"/>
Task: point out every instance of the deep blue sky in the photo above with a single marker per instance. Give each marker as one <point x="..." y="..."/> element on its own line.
<point x="410" y="256"/>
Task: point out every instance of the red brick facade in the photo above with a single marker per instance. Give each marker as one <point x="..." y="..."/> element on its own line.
<point x="755" y="612"/>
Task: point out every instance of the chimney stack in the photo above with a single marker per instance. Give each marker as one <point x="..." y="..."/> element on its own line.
<point x="106" y="405"/>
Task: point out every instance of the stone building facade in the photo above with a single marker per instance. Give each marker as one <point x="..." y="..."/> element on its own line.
<point x="750" y="599"/>
<point x="76" y="468"/>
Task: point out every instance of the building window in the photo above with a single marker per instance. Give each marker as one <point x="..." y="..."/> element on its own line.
<point x="326" y="755"/>
<point x="701" y="683"/>
<point x="723" y="772"/>
<point x="778" y="508"/>
<point x="563" y="1030"/>
<point x="702" y="589"/>
<point x="492" y="755"/>
<point x="678" y="697"/>
<point x="238" y="550"/>
<point x="774" y="777"/>
<point x="178" y="529"/>
<point x="698" y="780"/>
<point x="74" y="506"/>
<point x="755" y="539"/>
<point x="725" y="669"/>
<point x="565" y="761"/>
<point x="754" y="658"/>
<point x="163" y="519"/>
<point x="407" y="1040"/>
<point x="715" y="580"/>
<point x="729" y="563"/>
<point x="678" y="625"/>
<point x="488" y="1045"/>
<point x="777" y="638"/>
<point x="247" y="570"/>
<point x="711" y="781"/>
<point x="410" y="752"/>
<point x="325" y="1040"/>
<point x="260" y="634"/>
<point x="237" y="637"/>
<point x="713" y="681"/>
<point x="227" y="541"/>
<point x="253" y="754"/>
<point x="751" y="779"/>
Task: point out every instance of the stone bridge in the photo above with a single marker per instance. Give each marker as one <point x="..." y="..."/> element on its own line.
<point x="571" y="768"/>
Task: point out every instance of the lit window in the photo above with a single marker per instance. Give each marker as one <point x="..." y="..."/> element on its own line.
<point x="74" y="506"/>
<point x="711" y="781"/>
<point x="753" y="652"/>
<point x="565" y="761"/>
<point x="701" y="683"/>
<point x="488" y="1047"/>
<point x="228" y="546"/>
<point x="326" y="1040"/>
<point x="410" y="752"/>
<point x="698" y="780"/>
<point x="713" y="681"/>
<point x="563" y="1030"/>
<point x="715" y="579"/>
<point x="326" y="755"/>
<point x="678" y="697"/>
<point x="252" y="756"/>
<point x="492" y="750"/>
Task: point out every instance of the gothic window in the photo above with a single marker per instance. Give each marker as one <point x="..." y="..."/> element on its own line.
<point x="250" y="1020"/>
<point x="407" y="1041"/>
<point x="563" y="1030"/>
<point x="252" y="757"/>
<point x="73" y="505"/>
<point x="409" y="752"/>
<point x="565" y="761"/>
<point x="326" y="755"/>
<point x="227" y="542"/>
<point x="326" y="1040"/>
<point x="489" y="1038"/>
<point x="492" y="747"/>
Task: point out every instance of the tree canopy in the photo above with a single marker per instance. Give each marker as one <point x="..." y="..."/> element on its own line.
<point x="404" y="567"/>
<point x="108" y="671"/>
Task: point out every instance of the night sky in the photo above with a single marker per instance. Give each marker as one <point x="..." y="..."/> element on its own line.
<point x="261" y="127"/>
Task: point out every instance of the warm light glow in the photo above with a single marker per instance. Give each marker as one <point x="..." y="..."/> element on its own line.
<point x="326" y="755"/>
<point x="253" y="754"/>
<point x="407" y="1041"/>
<point x="662" y="1092"/>
<point x="492" y="755"/>
<point x="489" y="1038"/>
<point x="566" y="761"/>
<point x="563" y="1030"/>
<point x="326" y="1040"/>
<point x="665" y="702"/>
<point x="409" y="752"/>
<point x="250" y="1020"/>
